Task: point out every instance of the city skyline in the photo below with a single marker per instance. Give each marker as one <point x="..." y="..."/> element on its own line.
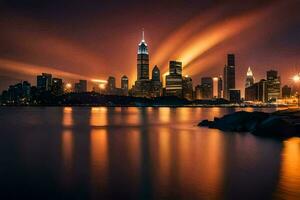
<point x="198" y="38"/>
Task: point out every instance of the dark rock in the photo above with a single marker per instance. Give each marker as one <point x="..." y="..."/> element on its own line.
<point x="281" y="124"/>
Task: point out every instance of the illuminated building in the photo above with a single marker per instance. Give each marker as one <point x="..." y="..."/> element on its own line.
<point x="44" y="81"/>
<point x="286" y="92"/>
<point x="142" y="84"/>
<point x="187" y="87"/>
<point x="198" y="92"/>
<point x="273" y="88"/>
<point x="234" y="96"/>
<point x="206" y="88"/>
<point x="142" y="60"/>
<point x="256" y="92"/>
<point x="111" y="85"/>
<point x="57" y="86"/>
<point x="220" y="87"/>
<point x="229" y="75"/>
<point x="81" y="86"/>
<point x="124" y="85"/>
<point x="249" y="78"/>
<point x="217" y="87"/>
<point x="174" y="79"/>
<point x="156" y="85"/>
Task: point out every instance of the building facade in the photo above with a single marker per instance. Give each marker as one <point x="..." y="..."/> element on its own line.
<point x="229" y="75"/>
<point x="174" y="79"/>
<point x="273" y="86"/>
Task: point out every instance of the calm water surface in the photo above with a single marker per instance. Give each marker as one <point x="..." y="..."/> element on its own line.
<point x="139" y="153"/>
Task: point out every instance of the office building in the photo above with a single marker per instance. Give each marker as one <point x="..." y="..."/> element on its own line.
<point x="57" y="86"/>
<point x="273" y="86"/>
<point x="142" y="85"/>
<point x="44" y="81"/>
<point x="198" y="92"/>
<point x="81" y="86"/>
<point x="206" y="88"/>
<point x="187" y="88"/>
<point x="156" y="84"/>
<point x="256" y="92"/>
<point x="220" y="87"/>
<point x="124" y="85"/>
<point x="229" y="75"/>
<point x="111" y="85"/>
<point x="286" y="92"/>
<point x="174" y="79"/>
<point x="234" y="96"/>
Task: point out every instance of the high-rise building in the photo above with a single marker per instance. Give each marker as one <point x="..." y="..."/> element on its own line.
<point x="273" y="86"/>
<point x="175" y="68"/>
<point x="250" y="78"/>
<point x="256" y="92"/>
<point x="81" y="86"/>
<point x="286" y="92"/>
<point x="142" y="60"/>
<point x="198" y="92"/>
<point x="124" y="85"/>
<point x="220" y="87"/>
<point x="229" y="75"/>
<point x="187" y="87"/>
<point x="206" y="88"/>
<point x="156" y="85"/>
<point x="217" y="87"/>
<point x="57" y="86"/>
<point x="111" y="85"/>
<point x="44" y="81"/>
<point x="142" y="85"/>
<point x="174" y="79"/>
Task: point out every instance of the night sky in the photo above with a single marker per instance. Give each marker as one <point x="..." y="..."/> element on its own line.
<point x="94" y="39"/>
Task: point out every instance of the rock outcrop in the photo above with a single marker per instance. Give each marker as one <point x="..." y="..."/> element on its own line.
<point x="281" y="124"/>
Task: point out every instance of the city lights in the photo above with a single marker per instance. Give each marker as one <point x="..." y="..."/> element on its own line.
<point x="296" y="78"/>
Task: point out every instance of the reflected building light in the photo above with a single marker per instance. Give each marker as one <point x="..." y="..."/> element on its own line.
<point x="67" y="156"/>
<point x="164" y="114"/>
<point x="67" y="117"/>
<point x="99" y="158"/>
<point x="289" y="181"/>
<point x="98" y="116"/>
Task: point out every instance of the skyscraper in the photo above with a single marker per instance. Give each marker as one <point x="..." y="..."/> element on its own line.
<point x="156" y="85"/>
<point x="111" y="85"/>
<point x="187" y="87"/>
<point x="250" y="78"/>
<point x="57" y="86"/>
<point x="229" y="75"/>
<point x="124" y="85"/>
<point x="206" y="90"/>
<point x="273" y="86"/>
<point x="44" y="81"/>
<point x="81" y="86"/>
<point x="220" y="87"/>
<point x="142" y="60"/>
<point x="174" y="79"/>
<point x="142" y="85"/>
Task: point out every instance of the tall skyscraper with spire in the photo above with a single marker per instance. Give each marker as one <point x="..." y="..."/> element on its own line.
<point x="250" y="78"/>
<point x="143" y="60"/>
<point x="142" y="85"/>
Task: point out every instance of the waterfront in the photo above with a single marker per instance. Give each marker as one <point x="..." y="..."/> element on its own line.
<point x="139" y="153"/>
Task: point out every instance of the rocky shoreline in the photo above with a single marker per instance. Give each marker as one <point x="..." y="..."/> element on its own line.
<point x="279" y="124"/>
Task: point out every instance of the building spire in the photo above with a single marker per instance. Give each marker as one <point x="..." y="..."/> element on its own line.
<point x="143" y="35"/>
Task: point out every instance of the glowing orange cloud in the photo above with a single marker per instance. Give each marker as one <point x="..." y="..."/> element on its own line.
<point x="33" y="70"/>
<point x="189" y="47"/>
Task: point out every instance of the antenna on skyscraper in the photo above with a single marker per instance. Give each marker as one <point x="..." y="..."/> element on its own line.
<point x="143" y="34"/>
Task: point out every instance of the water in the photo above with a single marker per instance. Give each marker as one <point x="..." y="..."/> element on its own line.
<point x="139" y="153"/>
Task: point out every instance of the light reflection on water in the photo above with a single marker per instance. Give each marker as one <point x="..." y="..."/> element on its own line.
<point x="144" y="153"/>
